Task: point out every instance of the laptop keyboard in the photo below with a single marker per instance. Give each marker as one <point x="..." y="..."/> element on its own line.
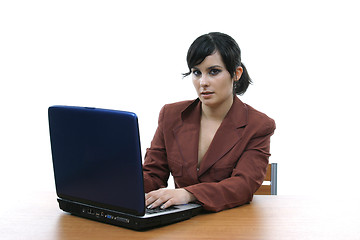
<point x="159" y="210"/>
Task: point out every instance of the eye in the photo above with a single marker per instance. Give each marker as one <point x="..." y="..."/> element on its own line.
<point x="214" y="71"/>
<point x="196" y="72"/>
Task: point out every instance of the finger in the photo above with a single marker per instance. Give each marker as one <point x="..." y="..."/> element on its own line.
<point x="160" y="201"/>
<point x="147" y="196"/>
<point x="167" y="204"/>
<point x="150" y="200"/>
<point x="156" y="198"/>
<point x="151" y="197"/>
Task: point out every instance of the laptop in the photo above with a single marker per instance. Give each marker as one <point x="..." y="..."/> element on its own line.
<point x="98" y="173"/>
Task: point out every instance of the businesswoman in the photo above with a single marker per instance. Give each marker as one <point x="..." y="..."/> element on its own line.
<point x="216" y="147"/>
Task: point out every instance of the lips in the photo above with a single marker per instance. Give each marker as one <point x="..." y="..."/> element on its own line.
<point x="206" y="92"/>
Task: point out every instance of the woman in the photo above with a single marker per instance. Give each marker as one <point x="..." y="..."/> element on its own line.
<point x="216" y="147"/>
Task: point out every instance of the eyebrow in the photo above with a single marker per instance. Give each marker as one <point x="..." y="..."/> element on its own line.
<point x="211" y="67"/>
<point x="215" y="66"/>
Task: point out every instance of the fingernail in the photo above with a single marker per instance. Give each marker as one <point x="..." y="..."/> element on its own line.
<point x="162" y="207"/>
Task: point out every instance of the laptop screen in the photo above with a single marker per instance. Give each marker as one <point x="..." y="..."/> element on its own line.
<point x="97" y="157"/>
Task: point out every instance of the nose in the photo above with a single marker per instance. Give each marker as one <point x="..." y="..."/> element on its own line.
<point x="204" y="81"/>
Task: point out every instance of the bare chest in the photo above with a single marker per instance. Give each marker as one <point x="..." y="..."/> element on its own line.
<point x="207" y="132"/>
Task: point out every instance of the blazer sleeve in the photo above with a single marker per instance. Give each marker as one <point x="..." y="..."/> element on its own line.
<point x="155" y="168"/>
<point x="246" y="177"/>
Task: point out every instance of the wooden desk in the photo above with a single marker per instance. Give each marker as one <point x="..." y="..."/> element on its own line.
<point x="267" y="217"/>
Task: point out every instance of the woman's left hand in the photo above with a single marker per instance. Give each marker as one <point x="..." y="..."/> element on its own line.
<point x="168" y="197"/>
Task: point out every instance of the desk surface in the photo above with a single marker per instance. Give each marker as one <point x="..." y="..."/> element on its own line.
<point x="37" y="216"/>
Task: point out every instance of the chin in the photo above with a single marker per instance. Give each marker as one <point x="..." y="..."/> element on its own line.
<point x="209" y="102"/>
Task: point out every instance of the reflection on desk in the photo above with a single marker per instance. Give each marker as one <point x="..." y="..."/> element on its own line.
<point x="267" y="217"/>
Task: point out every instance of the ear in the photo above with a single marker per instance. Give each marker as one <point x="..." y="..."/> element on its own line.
<point x="238" y="73"/>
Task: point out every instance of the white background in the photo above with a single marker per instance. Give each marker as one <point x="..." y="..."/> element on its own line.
<point x="303" y="57"/>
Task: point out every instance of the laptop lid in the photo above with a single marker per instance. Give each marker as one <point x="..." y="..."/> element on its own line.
<point x="97" y="157"/>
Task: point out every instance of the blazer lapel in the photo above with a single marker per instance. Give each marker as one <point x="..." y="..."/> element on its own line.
<point x="228" y="134"/>
<point x="187" y="134"/>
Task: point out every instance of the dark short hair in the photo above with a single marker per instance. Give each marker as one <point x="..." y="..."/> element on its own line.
<point x="229" y="50"/>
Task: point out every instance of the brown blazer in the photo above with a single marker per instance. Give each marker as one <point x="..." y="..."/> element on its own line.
<point x="232" y="169"/>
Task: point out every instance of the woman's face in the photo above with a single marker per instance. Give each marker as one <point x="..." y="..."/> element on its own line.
<point x="212" y="81"/>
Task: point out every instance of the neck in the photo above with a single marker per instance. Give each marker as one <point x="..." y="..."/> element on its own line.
<point x="218" y="112"/>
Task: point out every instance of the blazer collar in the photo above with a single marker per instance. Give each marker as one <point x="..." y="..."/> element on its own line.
<point x="228" y="134"/>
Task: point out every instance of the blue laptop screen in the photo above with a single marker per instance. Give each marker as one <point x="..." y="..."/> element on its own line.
<point x="97" y="157"/>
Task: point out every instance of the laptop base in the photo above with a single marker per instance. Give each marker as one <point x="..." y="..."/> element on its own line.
<point x="121" y="219"/>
